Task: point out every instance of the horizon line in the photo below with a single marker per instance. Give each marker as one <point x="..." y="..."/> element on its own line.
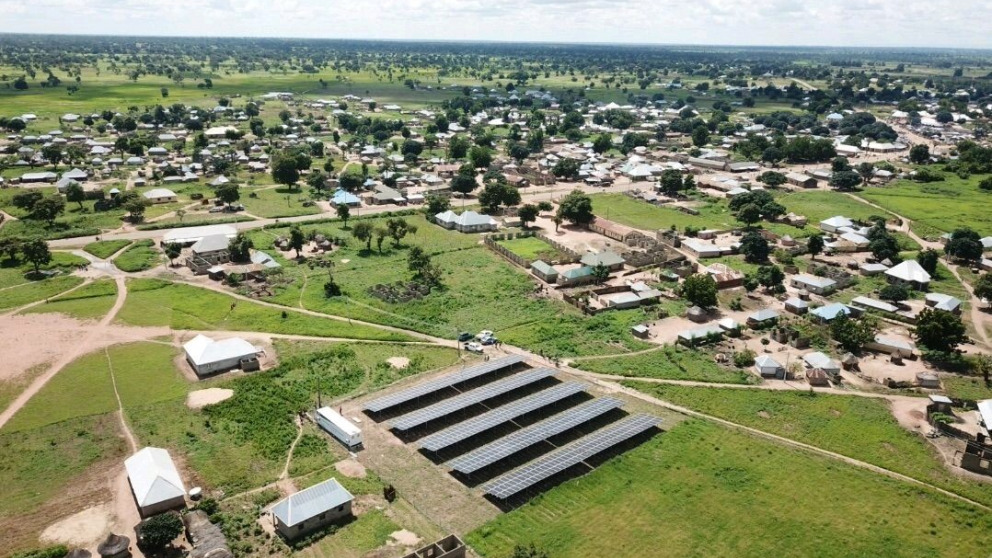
<point x="501" y="42"/>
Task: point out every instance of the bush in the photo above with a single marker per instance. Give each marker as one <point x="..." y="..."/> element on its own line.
<point x="57" y="551"/>
<point x="158" y="531"/>
<point x="743" y="359"/>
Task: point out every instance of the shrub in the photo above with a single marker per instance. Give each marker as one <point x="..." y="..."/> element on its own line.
<point x="743" y="359"/>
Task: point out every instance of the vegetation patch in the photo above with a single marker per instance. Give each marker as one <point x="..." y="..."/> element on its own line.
<point x="140" y="257"/>
<point x="88" y="302"/>
<point x="671" y="363"/>
<point x="103" y="249"/>
<point x="22" y="295"/>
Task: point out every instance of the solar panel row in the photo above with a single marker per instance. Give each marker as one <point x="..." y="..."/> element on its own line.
<point x="561" y="459"/>
<point x="469" y="398"/>
<point x="427" y="388"/>
<point x="500" y="415"/>
<point x="525" y="437"/>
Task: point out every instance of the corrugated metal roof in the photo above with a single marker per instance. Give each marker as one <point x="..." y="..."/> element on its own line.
<point x="311" y="502"/>
<point x="153" y="477"/>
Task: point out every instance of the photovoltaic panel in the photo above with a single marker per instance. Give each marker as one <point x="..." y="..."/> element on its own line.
<point x="564" y="457"/>
<point x="525" y="437"/>
<point x="469" y="398"/>
<point x="505" y="413"/>
<point x="427" y="388"/>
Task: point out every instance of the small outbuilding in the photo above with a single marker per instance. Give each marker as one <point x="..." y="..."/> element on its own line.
<point x="768" y="367"/>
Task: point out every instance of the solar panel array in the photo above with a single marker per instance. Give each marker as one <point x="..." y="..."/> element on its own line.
<point x="490" y="419"/>
<point x="469" y="398"/>
<point x="524" y="438"/>
<point x="561" y="459"/>
<point x="427" y="388"/>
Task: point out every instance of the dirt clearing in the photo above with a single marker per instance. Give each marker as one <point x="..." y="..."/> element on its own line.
<point x="398" y="362"/>
<point x="350" y="468"/>
<point x="84" y="529"/>
<point x="404" y="537"/>
<point x="201" y="398"/>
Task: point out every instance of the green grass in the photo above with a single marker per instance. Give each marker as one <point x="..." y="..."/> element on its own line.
<point x="89" y="302"/>
<point x="671" y="363"/>
<point x="572" y="334"/>
<point x="971" y="388"/>
<point x="145" y="373"/>
<point x="938" y="207"/>
<point x="821" y="204"/>
<point x="242" y="442"/>
<point x="139" y="257"/>
<point x="103" y="249"/>
<point x="152" y="302"/>
<point x="40" y="290"/>
<point x="532" y="248"/>
<point x="370" y="531"/>
<point x="858" y="427"/>
<point x="755" y="498"/>
<point x="38" y="464"/>
<point x="81" y="389"/>
<point x="272" y="202"/>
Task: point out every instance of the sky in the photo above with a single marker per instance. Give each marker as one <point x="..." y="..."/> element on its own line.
<point x="901" y="23"/>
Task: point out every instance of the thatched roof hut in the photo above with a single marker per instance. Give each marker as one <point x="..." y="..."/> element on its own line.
<point x="849" y="361"/>
<point x="78" y="553"/>
<point x="115" y="546"/>
<point x="208" y="541"/>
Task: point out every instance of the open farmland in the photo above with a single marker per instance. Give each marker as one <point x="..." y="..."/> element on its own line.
<point x="937" y="207"/>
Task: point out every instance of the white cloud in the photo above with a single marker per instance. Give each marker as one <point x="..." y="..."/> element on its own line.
<point x="744" y="22"/>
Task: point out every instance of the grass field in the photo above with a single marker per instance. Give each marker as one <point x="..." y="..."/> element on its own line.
<point x="971" y="388"/>
<point x="858" y="427"/>
<point x="755" y="498"/>
<point x="152" y="302"/>
<point x="33" y="292"/>
<point x="818" y="205"/>
<point x="532" y="248"/>
<point x="938" y="207"/>
<point x="671" y="363"/>
<point x="571" y="334"/>
<point x="89" y="302"/>
<point x="103" y="249"/>
<point x="276" y="202"/>
<point x="139" y="257"/>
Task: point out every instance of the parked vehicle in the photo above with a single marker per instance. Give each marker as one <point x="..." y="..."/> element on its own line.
<point x="474" y="347"/>
<point x="465" y="336"/>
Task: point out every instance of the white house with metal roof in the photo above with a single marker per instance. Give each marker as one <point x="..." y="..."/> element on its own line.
<point x="160" y="195"/>
<point x="311" y="509"/>
<point x="768" y="367"/>
<point x="155" y="481"/>
<point x="207" y="356"/>
<point x="910" y="274"/>
<point x="813" y="284"/>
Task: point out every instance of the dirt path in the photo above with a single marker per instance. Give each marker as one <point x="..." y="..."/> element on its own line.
<point x="94" y="339"/>
<point x="789" y="442"/>
<point x="292" y="447"/>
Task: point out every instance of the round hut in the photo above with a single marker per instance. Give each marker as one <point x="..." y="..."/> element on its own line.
<point x="78" y="553"/>
<point x="115" y="546"/>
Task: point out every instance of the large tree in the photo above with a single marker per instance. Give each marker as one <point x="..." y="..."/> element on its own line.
<point x="344" y="212"/>
<point x="74" y="193"/>
<point x="939" y="330"/>
<point x="576" y="208"/>
<point x="363" y="232"/>
<point x="296" y="239"/>
<point x="398" y="229"/>
<point x="754" y="247"/>
<point x="845" y="181"/>
<point x="285" y="170"/>
<point x="814" y="245"/>
<point x="919" y="154"/>
<point x="700" y="290"/>
<point x="36" y="252"/>
<point x="983" y="287"/>
<point x="528" y="214"/>
<point x="567" y="169"/>
<point x="229" y="193"/>
<point x="964" y="244"/>
<point x="48" y="209"/>
<point x="928" y="260"/>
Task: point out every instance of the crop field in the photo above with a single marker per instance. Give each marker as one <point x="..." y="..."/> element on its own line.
<point x="152" y="302"/>
<point x="858" y="427"/>
<point x="103" y="249"/>
<point x="89" y="302"/>
<point x="139" y="257"/>
<point x="532" y="248"/>
<point x="938" y="207"/>
<point x="648" y="502"/>
<point x="670" y="363"/>
<point x="16" y="272"/>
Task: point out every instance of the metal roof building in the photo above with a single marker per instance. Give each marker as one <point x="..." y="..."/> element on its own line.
<point x="155" y="481"/>
<point x="311" y="509"/>
<point x="207" y="356"/>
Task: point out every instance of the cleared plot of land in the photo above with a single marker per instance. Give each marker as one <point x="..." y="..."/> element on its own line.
<point x="139" y="257"/>
<point x="46" y="473"/>
<point x="568" y="334"/>
<point x="858" y="427"/>
<point x="38" y="290"/>
<point x="155" y="302"/>
<point x="818" y="205"/>
<point x="937" y="207"/>
<point x="649" y="501"/>
<point x="532" y="248"/>
<point x="103" y="249"/>
<point x="85" y="303"/>
<point x="671" y="363"/>
<point x="276" y="202"/>
<point x="370" y="531"/>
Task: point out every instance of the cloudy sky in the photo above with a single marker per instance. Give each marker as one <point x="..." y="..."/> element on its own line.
<point x="944" y="23"/>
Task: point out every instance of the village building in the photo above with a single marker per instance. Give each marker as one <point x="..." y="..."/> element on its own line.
<point x="768" y="367"/>
<point x="762" y="318"/>
<point x="155" y="481"/>
<point x="892" y="346"/>
<point x="207" y="356"/>
<point x="801" y="180"/>
<point x="467" y="222"/>
<point x="544" y="271"/>
<point x="311" y="509"/>
<point x="832" y="224"/>
<point x="831" y="312"/>
<point x="607" y="258"/>
<point x="909" y="274"/>
<point x="609" y="229"/>
<point x="944" y="302"/>
<point x="820" y="361"/>
<point x="576" y="276"/>
<point x="160" y="195"/>
<point x="813" y="284"/>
